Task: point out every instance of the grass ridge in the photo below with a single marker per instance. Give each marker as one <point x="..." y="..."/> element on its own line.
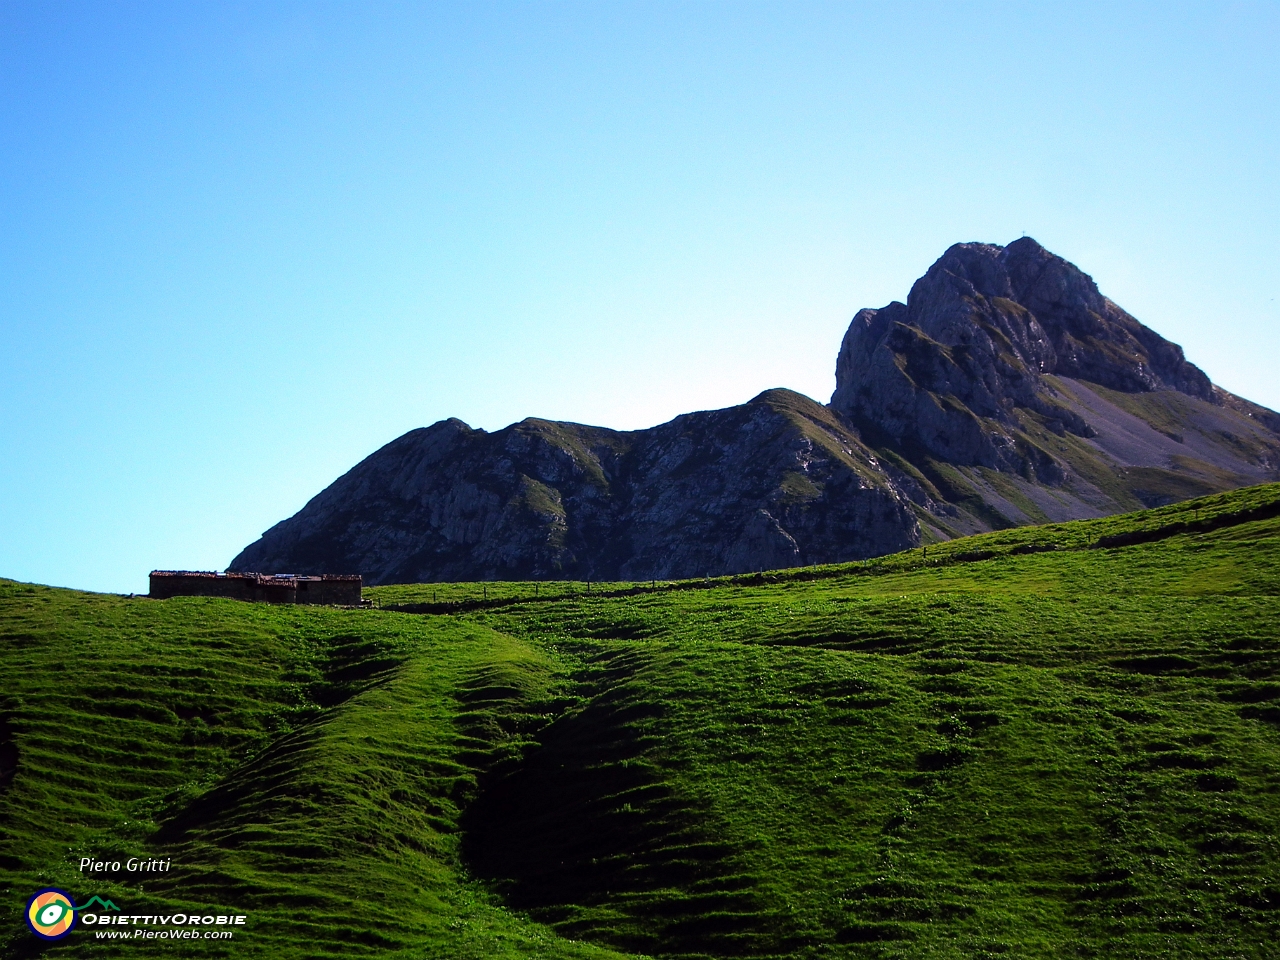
<point x="1018" y="744"/>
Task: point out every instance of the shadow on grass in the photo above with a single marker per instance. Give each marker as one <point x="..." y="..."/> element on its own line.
<point x="586" y="835"/>
<point x="8" y="756"/>
<point x="349" y="666"/>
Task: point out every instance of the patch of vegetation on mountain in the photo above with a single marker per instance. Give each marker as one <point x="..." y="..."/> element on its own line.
<point x="1044" y="741"/>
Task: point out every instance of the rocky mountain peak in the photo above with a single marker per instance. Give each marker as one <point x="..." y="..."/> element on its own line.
<point x="953" y="368"/>
<point x="1005" y="390"/>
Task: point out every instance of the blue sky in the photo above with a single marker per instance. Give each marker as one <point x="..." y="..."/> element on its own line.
<point x="244" y="245"/>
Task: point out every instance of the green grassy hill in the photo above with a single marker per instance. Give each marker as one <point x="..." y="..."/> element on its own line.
<point x="1058" y="741"/>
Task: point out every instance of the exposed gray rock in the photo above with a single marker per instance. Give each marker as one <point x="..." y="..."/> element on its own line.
<point x="1006" y="390"/>
<point x="775" y="482"/>
<point x="950" y="368"/>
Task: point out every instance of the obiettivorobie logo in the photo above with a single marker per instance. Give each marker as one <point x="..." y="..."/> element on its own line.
<point x="51" y="914"/>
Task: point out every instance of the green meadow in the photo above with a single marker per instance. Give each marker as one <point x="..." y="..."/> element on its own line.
<point x="1056" y="741"/>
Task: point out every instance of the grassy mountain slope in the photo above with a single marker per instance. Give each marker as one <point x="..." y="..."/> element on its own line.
<point x="305" y="767"/>
<point x="1041" y="742"/>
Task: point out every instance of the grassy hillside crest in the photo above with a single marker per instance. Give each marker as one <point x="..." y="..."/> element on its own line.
<point x="1054" y="741"/>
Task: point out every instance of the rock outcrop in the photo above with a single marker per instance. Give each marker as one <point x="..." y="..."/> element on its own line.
<point x="776" y="482"/>
<point x="1006" y="390"/>
<point x="951" y="369"/>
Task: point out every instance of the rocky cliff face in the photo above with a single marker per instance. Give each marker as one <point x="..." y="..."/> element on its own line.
<point x="953" y="367"/>
<point x="776" y="482"/>
<point x="1006" y="390"/>
<point x="1012" y="391"/>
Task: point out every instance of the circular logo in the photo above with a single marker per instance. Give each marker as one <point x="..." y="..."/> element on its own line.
<point x="51" y="914"/>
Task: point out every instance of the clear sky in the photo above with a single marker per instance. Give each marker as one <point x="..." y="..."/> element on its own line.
<point x="243" y="245"/>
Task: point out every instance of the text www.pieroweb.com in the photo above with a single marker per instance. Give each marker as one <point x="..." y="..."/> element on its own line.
<point x="143" y="934"/>
<point x="172" y="927"/>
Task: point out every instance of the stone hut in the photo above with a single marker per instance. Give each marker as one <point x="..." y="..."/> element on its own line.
<point x="334" y="589"/>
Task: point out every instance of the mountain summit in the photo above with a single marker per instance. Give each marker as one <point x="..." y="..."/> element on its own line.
<point x="974" y="344"/>
<point x="1006" y="390"/>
